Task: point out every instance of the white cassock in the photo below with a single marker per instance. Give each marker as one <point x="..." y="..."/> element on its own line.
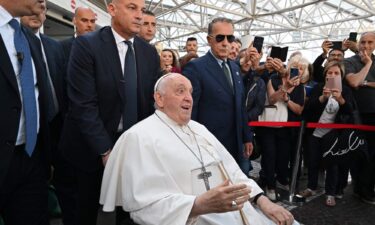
<point x="153" y="175"/>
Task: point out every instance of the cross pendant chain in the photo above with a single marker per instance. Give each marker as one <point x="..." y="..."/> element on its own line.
<point x="205" y="175"/>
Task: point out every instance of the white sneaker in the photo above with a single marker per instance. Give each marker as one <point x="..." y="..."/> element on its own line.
<point x="271" y="194"/>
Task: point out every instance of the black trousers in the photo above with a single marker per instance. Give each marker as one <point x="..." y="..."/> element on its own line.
<point x="275" y="145"/>
<point x="123" y="218"/>
<point x="364" y="170"/>
<point x="336" y="173"/>
<point x="78" y="193"/>
<point x="24" y="194"/>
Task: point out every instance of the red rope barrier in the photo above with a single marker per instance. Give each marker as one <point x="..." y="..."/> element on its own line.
<point x="274" y="124"/>
<point x="313" y="125"/>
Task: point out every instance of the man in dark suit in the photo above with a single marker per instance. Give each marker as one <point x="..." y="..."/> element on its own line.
<point x="53" y="56"/>
<point x="110" y="88"/>
<point x="56" y="71"/>
<point x="24" y="163"/>
<point x="84" y="21"/>
<point x="218" y="92"/>
<point x="148" y="29"/>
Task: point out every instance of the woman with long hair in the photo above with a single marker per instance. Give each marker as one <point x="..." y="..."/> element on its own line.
<point x="169" y="62"/>
<point x="326" y="105"/>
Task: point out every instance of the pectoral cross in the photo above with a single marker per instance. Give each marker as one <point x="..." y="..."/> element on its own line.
<point x="205" y="175"/>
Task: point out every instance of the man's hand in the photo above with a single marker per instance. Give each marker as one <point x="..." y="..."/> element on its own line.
<point x="250" y="59"/>
<point x="326" y="46"/>
<point x="220" y="198"/>
<point x="106" y="156"/>
<point x="352" y="45"/>
<point x="365" y="58"/>
<point x="248" y="149"/>
<point x="276" y="213"/>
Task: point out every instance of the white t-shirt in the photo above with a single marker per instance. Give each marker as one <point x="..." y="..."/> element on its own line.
<point x="328" y="116"/>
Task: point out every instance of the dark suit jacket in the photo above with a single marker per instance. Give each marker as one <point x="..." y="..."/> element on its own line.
<point x="67" y="47"/>
<point x="96" y="95"/>
<point x="215" y="105"/>
<point x="57" y="69"/>
<point x="10" y="110"/>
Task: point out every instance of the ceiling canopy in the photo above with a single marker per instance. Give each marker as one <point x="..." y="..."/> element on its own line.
<point x="299" y="24"/>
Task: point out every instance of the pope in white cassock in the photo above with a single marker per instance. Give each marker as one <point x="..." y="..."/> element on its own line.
<point x="170" y="170"/>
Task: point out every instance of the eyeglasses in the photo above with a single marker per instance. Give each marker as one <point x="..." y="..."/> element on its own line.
<point x="221" y="37"/>
<point x="336" y="55"/>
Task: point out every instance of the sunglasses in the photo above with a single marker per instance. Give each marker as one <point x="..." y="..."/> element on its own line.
<point x="221" y="37"/>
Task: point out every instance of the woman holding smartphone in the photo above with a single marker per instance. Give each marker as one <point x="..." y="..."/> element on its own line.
<point x="330" y="102"/>
<point x="285" y="92"/>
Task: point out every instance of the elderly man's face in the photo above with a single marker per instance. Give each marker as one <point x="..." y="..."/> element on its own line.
<point x="221" y="48"/>
<point x="367" y="43"/>
<point x="127" y="16"/>
<point x="148" y="29"/>
<point x="84" y="21"/>
<point x="176" y="101"/>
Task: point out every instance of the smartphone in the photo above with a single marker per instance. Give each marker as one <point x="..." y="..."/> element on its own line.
<point x="293" y="72"/>
<point x="334" y="83"/>
<point x="280" y="53"/>
<point x="337" y="45"/>
<point x="353" y="36"/>
<point x="258" y="43"/>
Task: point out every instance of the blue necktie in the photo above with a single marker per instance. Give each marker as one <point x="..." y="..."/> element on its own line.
<point x="27" y="86"/>
<point x="130" y="116"/>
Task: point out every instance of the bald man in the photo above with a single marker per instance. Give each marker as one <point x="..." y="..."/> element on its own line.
<point x="360" y="75"/>
<point x="84" y="21"/>
<point x="109" y="89"/>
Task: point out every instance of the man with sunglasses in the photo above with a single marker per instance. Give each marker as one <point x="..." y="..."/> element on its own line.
<point x="218" y="91"/>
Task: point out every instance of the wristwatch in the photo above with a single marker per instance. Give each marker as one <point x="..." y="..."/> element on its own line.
<point x="256" y="197"/>
<point x="364" y="83"/>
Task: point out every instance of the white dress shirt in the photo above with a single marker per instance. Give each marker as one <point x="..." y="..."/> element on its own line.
<point x="7" y="34"/>
<point x="122" y="50"/>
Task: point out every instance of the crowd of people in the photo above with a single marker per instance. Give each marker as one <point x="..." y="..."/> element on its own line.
<point x="104" y="118"/>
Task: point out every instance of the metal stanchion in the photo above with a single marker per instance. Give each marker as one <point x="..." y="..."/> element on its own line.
<point x="293" y="198"/>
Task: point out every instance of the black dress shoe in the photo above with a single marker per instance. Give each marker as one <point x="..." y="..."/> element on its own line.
<point x="368" y="199"/>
